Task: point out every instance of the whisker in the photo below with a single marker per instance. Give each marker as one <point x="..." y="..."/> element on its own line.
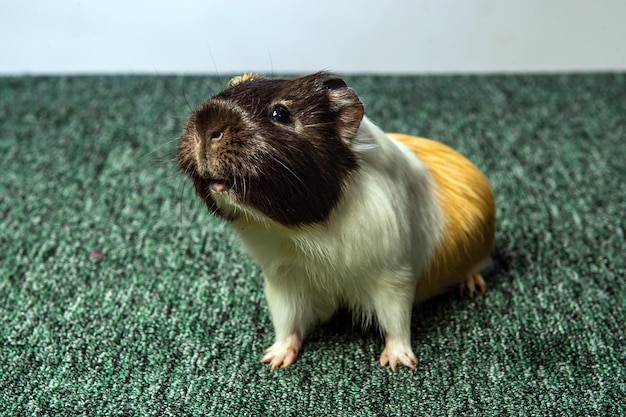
<point x="217" y="72"/>
<point x="163" y="145"/>
<point x="243" y="180"/>
<point x="308" y="109"/>
<point x="185" y="104"/>
<point x="184" y="94"/>
<point x="288" y="169"/>
<point x="319" y="124"/>
<point x="181" y="186"/>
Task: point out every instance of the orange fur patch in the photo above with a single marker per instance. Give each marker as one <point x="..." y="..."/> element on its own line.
<point x="468" y="205"/>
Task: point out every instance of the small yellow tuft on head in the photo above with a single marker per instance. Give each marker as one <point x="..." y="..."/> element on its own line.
<point x="241" y="78"/>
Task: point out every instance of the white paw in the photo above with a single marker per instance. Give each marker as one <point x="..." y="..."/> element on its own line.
<point x="283" y="352"/>
<point x="397" y="352"/>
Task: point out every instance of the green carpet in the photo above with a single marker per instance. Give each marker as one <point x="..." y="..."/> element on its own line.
<point x="120" y="295"/>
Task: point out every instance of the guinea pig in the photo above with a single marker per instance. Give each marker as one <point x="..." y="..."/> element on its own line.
<point x="335" y="212"/>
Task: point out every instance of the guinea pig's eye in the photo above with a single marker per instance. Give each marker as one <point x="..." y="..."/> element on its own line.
<point x="281" y="115"/>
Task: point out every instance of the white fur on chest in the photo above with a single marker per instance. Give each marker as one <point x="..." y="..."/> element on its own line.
<point x="375" y="244"/>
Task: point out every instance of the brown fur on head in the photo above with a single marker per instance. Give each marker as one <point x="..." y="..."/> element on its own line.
<point x="278" y="146"/>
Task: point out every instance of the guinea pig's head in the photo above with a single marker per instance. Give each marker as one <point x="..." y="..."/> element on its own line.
<point x="273" y="146"/>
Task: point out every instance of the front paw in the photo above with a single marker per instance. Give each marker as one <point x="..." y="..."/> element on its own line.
<point x="283" y="352"/>
<point x="397" y="352"/>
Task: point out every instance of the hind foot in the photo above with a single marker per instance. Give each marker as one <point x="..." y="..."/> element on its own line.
<point x="470" y="284"/>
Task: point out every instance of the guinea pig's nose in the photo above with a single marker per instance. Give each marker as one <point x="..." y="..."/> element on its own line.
<point x="216" y="135"/>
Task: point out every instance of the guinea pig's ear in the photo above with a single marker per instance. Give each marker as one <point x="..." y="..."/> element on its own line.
<point x="346" y="103"/>
<point x="241" y="78"/>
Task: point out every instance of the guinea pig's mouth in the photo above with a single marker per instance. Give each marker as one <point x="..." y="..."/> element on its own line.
<point x="219" y="186"/>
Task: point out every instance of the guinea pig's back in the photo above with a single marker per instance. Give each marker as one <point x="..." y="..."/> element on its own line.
<point x="467" y="201"/>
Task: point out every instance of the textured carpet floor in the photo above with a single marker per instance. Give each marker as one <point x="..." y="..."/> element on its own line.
<point x="119" y="295"/>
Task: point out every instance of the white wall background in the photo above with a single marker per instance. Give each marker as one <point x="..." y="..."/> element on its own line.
<point x="347" y="36"/>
